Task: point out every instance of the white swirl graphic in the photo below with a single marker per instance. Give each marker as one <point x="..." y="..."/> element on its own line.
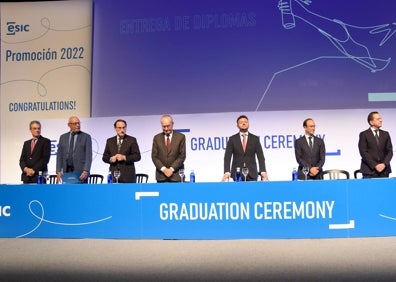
<point x="42" y="219"/>
<point x="387" y="217"/>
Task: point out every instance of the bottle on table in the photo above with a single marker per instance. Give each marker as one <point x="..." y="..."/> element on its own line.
<point x="40" y="178"/>
<point x="192" y="176"/>
<point x="238" y="175"/>
<point x="294" y="174"/>
<point x="109" y="178"/>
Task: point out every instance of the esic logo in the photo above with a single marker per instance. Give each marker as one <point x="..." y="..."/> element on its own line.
<point x="5" y="210"/>
<point x="13" y="28"/>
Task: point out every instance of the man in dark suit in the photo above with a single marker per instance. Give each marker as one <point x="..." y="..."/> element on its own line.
<point x="168" y="152"/>
<point x="310" y="152"/>
<point x="375" y="147"/>
<point x="243" y="148"/>
<point x="121" y="152"/>
<point x="74" y="151"/>
<point x="36" y="153"/>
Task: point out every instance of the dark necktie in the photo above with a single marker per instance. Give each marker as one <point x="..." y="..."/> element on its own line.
<point x="71" y="149"/>
<point x="310" y="142"/>
<point x="32" y="145"/>
<point x="119" y="144"/>
<point x="376" y="136"/>
<point x="167" y="143"/>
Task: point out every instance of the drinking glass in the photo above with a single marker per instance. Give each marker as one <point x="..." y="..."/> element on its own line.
<point x="117" y="174"/>
<point x="245" y="172"/>
<point x="46" y="177"/>
<point x="305" y="171"/>
<point x="181" y="173"/>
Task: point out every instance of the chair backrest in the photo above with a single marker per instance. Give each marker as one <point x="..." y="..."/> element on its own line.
<point x="141" y="178"/>
<point x="336" y="174"/>
<point x="52" y="179"/>
<point x="357" y="174"/>
<point x="95" y="179"/>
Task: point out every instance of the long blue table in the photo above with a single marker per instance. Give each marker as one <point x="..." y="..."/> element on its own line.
<point x="244" y="210"/>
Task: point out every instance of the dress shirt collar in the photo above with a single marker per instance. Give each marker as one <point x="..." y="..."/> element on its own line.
<point x="170" y="135"/>
<point x="307" y="138"/>
<point x="374" y="129"/>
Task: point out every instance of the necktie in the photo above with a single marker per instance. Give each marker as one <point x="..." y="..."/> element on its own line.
<point x="167" y="143"/>
<point x="376" y="136"/>
<point x="244" y="142"/>
<point x="119" y="144"/>
<point x="32" y="144"/>
<point x="310" y="142"/>
<point x="71" y="149"/>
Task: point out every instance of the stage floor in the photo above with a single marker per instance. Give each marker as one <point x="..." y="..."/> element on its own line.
<point x="356" y="259"/>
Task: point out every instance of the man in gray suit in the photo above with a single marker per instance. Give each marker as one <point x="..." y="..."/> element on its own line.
<point x="243" y="148"/>
<point x="310" y="152"/>
<point x="168" y="152"/>
<point x="74" y="151"/>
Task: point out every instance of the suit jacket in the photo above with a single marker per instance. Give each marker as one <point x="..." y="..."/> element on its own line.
<point x="130" y="149"/>
<point x="310" y="158"/>
<point x="37" y="160"/>
<point x="174" y="158"/>
<point x="82" y="155"/>
<point x="235" y="151"/>
<point x="373" y="154"/>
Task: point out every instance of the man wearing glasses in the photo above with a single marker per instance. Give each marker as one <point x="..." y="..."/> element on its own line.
<point x="169" y="152"/>
<point x="74" y="152"/>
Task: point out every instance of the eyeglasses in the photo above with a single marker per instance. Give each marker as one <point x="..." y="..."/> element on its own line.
<point x="74" y="123"/>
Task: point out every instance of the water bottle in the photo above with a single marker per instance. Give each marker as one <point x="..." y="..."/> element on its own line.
<point x="238" y="175"/>
<point x="40" y="178"/>
<point x="192" y="177"/>
<point x="109" y="178"/>
<point x="294" y="174"/>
